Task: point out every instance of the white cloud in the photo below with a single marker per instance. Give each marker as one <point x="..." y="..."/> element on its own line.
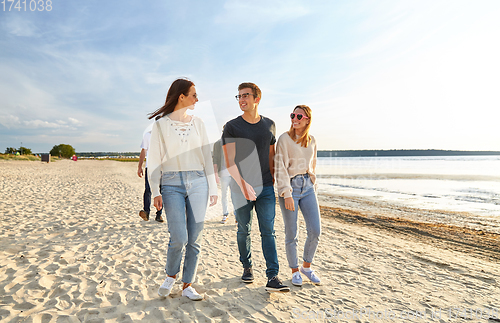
<point x="159" y="78"/>
<point x="8" y="121"/>
<point x="260" y="12"/>
<point x="42" y="124"/>
<point x="15" y="122"/>
<point x="74" y="121"/>
<point x="19" y="26"/>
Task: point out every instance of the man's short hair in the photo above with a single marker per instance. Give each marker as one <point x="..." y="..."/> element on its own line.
<point x="255" y="89"/>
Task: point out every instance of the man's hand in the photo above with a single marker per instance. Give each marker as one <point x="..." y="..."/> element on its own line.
<point x="248" y="191"/>
<point x="141" y="162"/>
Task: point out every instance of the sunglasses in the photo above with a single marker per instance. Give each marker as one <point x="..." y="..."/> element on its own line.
<point x="299" y="116"/>
<point x="244" y="96"/>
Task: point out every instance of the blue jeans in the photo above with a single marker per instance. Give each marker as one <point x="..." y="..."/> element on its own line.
<point x="185" y="200"/>
<point x="265" y="208"/>
<point x="147" y="195"/>
<point x="305" y="198"/>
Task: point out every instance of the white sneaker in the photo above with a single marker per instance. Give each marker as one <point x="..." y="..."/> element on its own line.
<point x="297" y="278"/>
<point x="166" y="287"/>
<point x="224" y="219"/>
<point x="190" y="293"/>
<point x="311" y="275"/>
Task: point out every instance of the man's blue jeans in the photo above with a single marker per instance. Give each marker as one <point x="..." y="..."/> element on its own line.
<point x="265" y="209"/>
<point x="185" y="200"/>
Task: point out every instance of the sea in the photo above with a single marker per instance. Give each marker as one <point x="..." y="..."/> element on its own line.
<point x="462" y="184"/>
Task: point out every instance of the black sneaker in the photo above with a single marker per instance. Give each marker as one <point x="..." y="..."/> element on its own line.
<point x="247" y="275"/>
<point x="275" y="285"/>
<point x="159" y="218"/>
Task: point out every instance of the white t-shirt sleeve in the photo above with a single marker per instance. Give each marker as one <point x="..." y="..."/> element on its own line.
<point x="145" y="141"/>
<point x="145" y="145"/>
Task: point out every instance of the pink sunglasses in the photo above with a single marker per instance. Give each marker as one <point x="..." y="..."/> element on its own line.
<point x="299" y="116"/>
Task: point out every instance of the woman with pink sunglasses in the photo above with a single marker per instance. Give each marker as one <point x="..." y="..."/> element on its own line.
<point x="295" y="164"/>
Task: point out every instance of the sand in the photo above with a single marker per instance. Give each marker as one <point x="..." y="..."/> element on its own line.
<point x="73" y="249"/>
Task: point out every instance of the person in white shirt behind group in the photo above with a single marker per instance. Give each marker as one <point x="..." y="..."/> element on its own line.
<point x="180" y="157"/>
<point x="295" y="163"/>
<point x="222" y="175"/>
<point x="144" y="213"/>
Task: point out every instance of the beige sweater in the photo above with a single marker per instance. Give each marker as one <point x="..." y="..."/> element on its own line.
<point x="292" y="159"/>
<point x="178" y="153"/>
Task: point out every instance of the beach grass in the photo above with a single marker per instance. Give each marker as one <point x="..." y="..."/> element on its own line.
<point x="20" y="157"/>
<point x="134" y="160"/>
<point x="25" y="157"/>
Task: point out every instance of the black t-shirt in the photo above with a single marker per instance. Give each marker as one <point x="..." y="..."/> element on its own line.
<point x="252" y="143"/>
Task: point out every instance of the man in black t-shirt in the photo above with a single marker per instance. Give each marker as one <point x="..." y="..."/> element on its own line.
<point x="248" y="143"/>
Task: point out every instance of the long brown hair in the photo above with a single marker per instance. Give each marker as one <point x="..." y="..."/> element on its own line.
<point x="178" y="87"/>
<point x="305" y="139"/>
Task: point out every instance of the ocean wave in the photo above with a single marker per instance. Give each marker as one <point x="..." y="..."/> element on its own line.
<point x="416" y="176"/>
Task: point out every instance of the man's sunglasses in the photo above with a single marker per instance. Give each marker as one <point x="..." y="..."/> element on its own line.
<point x="244" y="96"/>
<point x="299" y="116"/>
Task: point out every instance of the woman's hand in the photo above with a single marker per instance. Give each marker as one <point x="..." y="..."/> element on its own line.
<point x="289" y="203"/>
<point x="158" y="202"/>
<point x="213" y="200"/>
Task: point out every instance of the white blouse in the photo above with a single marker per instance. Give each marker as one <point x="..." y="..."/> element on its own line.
<point x="184" y="147"/>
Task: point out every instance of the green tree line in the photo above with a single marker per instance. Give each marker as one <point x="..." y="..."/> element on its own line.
<point x="62" y="150"/>
<point x="22" y="150"/>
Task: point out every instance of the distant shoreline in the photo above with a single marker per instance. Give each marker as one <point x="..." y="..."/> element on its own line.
<point x="403" y="153"/>
<point x="339" y="153"/>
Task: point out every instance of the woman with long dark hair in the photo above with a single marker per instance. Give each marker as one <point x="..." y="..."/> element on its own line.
<point x="296" y="177"/>
<point x="180" y="159"/>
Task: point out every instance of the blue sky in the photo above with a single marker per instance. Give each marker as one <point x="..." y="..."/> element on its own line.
<point x="377" y="74"/>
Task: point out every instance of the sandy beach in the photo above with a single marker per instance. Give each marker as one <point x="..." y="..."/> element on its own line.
<point x="73" y="249"/>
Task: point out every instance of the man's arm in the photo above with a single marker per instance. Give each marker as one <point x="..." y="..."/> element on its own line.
<point x="229" y="156"/>
<point x="216" y="159"/>
<point x="140" y="172"/>
<point x="272" y="152"/>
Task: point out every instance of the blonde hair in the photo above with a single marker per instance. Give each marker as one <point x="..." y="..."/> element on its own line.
<point x="305" y="138"/>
